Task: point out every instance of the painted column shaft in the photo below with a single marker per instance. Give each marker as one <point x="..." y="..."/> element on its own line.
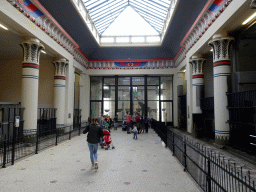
<point x="221" y="64"/>
<point x="59" y="101"/>
<point x="221" y="112"/>
<point x="197" y="83"/>
<point x="29" y="98"/>
<point x="30" y="74"/>
<point x="197" y="89"/>
<point x="60" y="91"/>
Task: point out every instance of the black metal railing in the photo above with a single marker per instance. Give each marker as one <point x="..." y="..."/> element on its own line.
<point x="182" y="113"/>
<point x="77" y="118"/>
<point x="14" y="148"/>
<point x="207" y="103"/>
<point x="211" y="170"/>
<point x="46" y="121"/>
<point x="8" y="111"/>
<point x="242" y="120"/>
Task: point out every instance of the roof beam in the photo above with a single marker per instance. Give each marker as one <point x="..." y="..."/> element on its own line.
<point x="107" y="12"/>
<point x="145" y="7"/>
<point x="145" y="19"/>
<point x="103" y="5"/>
<point x="148" y="13"/>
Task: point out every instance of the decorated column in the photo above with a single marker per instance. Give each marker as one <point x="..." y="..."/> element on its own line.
<point x="30" y="74"/>
<point x="197" y="83"/>
<point x="221" y="70"/>
<point x="84" y="103"/>
<point x="59" y="90"/>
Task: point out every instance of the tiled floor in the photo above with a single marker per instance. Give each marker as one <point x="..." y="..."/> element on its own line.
<point x="134" y="165"/>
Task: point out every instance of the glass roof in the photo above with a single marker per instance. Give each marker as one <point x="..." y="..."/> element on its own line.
<point x="105" y="12"/>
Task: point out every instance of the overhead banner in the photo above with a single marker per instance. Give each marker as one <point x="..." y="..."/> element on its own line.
<point x="130" y="64"/>
<point x="30" y="8"/>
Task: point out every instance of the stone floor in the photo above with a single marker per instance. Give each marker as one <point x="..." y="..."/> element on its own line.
<point x="134" y="165"/>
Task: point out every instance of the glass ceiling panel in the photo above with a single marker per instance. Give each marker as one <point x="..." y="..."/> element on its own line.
<point x="104" y="13"/>
<point x="130" y="23"/>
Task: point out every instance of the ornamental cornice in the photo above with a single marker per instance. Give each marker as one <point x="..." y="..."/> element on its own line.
<point x="202" y="25"/>
<point x="52" y="30"/>
<point x="159" y="64"/>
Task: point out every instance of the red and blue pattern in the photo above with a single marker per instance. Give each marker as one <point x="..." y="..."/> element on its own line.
<point x="217" y="4"/>
<point x="30" y="8"/>
<point x="130" y="64"/>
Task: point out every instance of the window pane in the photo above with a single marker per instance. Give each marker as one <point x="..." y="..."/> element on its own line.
<point x="123" y="107"/>
<point x="95" y="109"/>
<point x="138" y="39"/>
<point x="153" y="81"/>
<point x="109" y="108"/>
<point x="166" y="88"/>
<point x="96" y="88"/>
<point x="139" y="107"/>
<point x="109" y="92"/>
<point x="138" y="80"/>
<point x="138" y="93"/>
<point x="124" y="93"/>
<point x="166" y="111"/>
<point x="153" y="110"/>
<point x="124" y="81"/>
<point x="153" y="93"/>
<point x="107" y="40"/>
<point x="109" y="81"/>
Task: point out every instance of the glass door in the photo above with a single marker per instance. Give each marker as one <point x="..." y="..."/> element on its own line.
<point x="167" y="112"/>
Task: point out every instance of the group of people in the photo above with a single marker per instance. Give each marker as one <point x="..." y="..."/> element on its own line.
<point x="139" y="124"/>
<point x="99" y="129"/>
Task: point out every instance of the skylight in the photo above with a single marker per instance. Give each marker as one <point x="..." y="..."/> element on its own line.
<point x="127" y="21"/>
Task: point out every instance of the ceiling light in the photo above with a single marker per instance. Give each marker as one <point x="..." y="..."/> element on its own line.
<point x="185" y="70"/>
<point x="43" y="51"/>
<point x="211" y="50"/>
<point x="4" y="27"/>
<point x="249" y="19"/>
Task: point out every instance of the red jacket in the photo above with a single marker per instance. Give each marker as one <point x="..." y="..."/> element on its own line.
<point x="137" y="118"/>
<point x="128" y="119"/>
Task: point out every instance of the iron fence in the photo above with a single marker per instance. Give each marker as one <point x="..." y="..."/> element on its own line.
<point x="14" y="148"/>
<point x="242" y="120"/>
<point x="212" y="171"/>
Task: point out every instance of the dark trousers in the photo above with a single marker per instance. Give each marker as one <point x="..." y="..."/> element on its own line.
<point x="146" y="127"/>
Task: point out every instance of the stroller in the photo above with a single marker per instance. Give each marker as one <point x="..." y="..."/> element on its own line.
<point x="107" y="140"/>
<point x="124" y="126"/>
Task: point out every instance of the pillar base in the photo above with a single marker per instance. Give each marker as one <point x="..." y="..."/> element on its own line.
<point x="29" y="140"/>
<point x="221" y="140"/>
<point x="60" y="130"/>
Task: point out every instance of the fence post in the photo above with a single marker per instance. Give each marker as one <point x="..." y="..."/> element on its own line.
<point x="56" y="142"/>
<point x="209" y="174"/>
<point x="36" y="142"/>
<point x="185" y="153"/>
<point x="173" y="147"/>
<point x="4" y="157"/>
<point x="13" y="144"/>
<point x="70" y="132"/>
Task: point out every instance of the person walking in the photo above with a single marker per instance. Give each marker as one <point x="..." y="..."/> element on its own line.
<point x="146" y="122"/>
<point x="93" y="138"/>
<point x="135" y="132"/>
<point x="138" y="118"/>
<point x="129" y="123"/>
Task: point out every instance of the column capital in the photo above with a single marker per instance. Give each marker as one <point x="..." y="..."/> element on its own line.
<point x="60" y="68"/>
<point x="221" y="48"/>
<point x="197" y="66"/>
<point x="31" y="49"/>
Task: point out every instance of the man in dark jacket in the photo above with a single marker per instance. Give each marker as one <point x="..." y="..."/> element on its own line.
<point x="93" y="138"/>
